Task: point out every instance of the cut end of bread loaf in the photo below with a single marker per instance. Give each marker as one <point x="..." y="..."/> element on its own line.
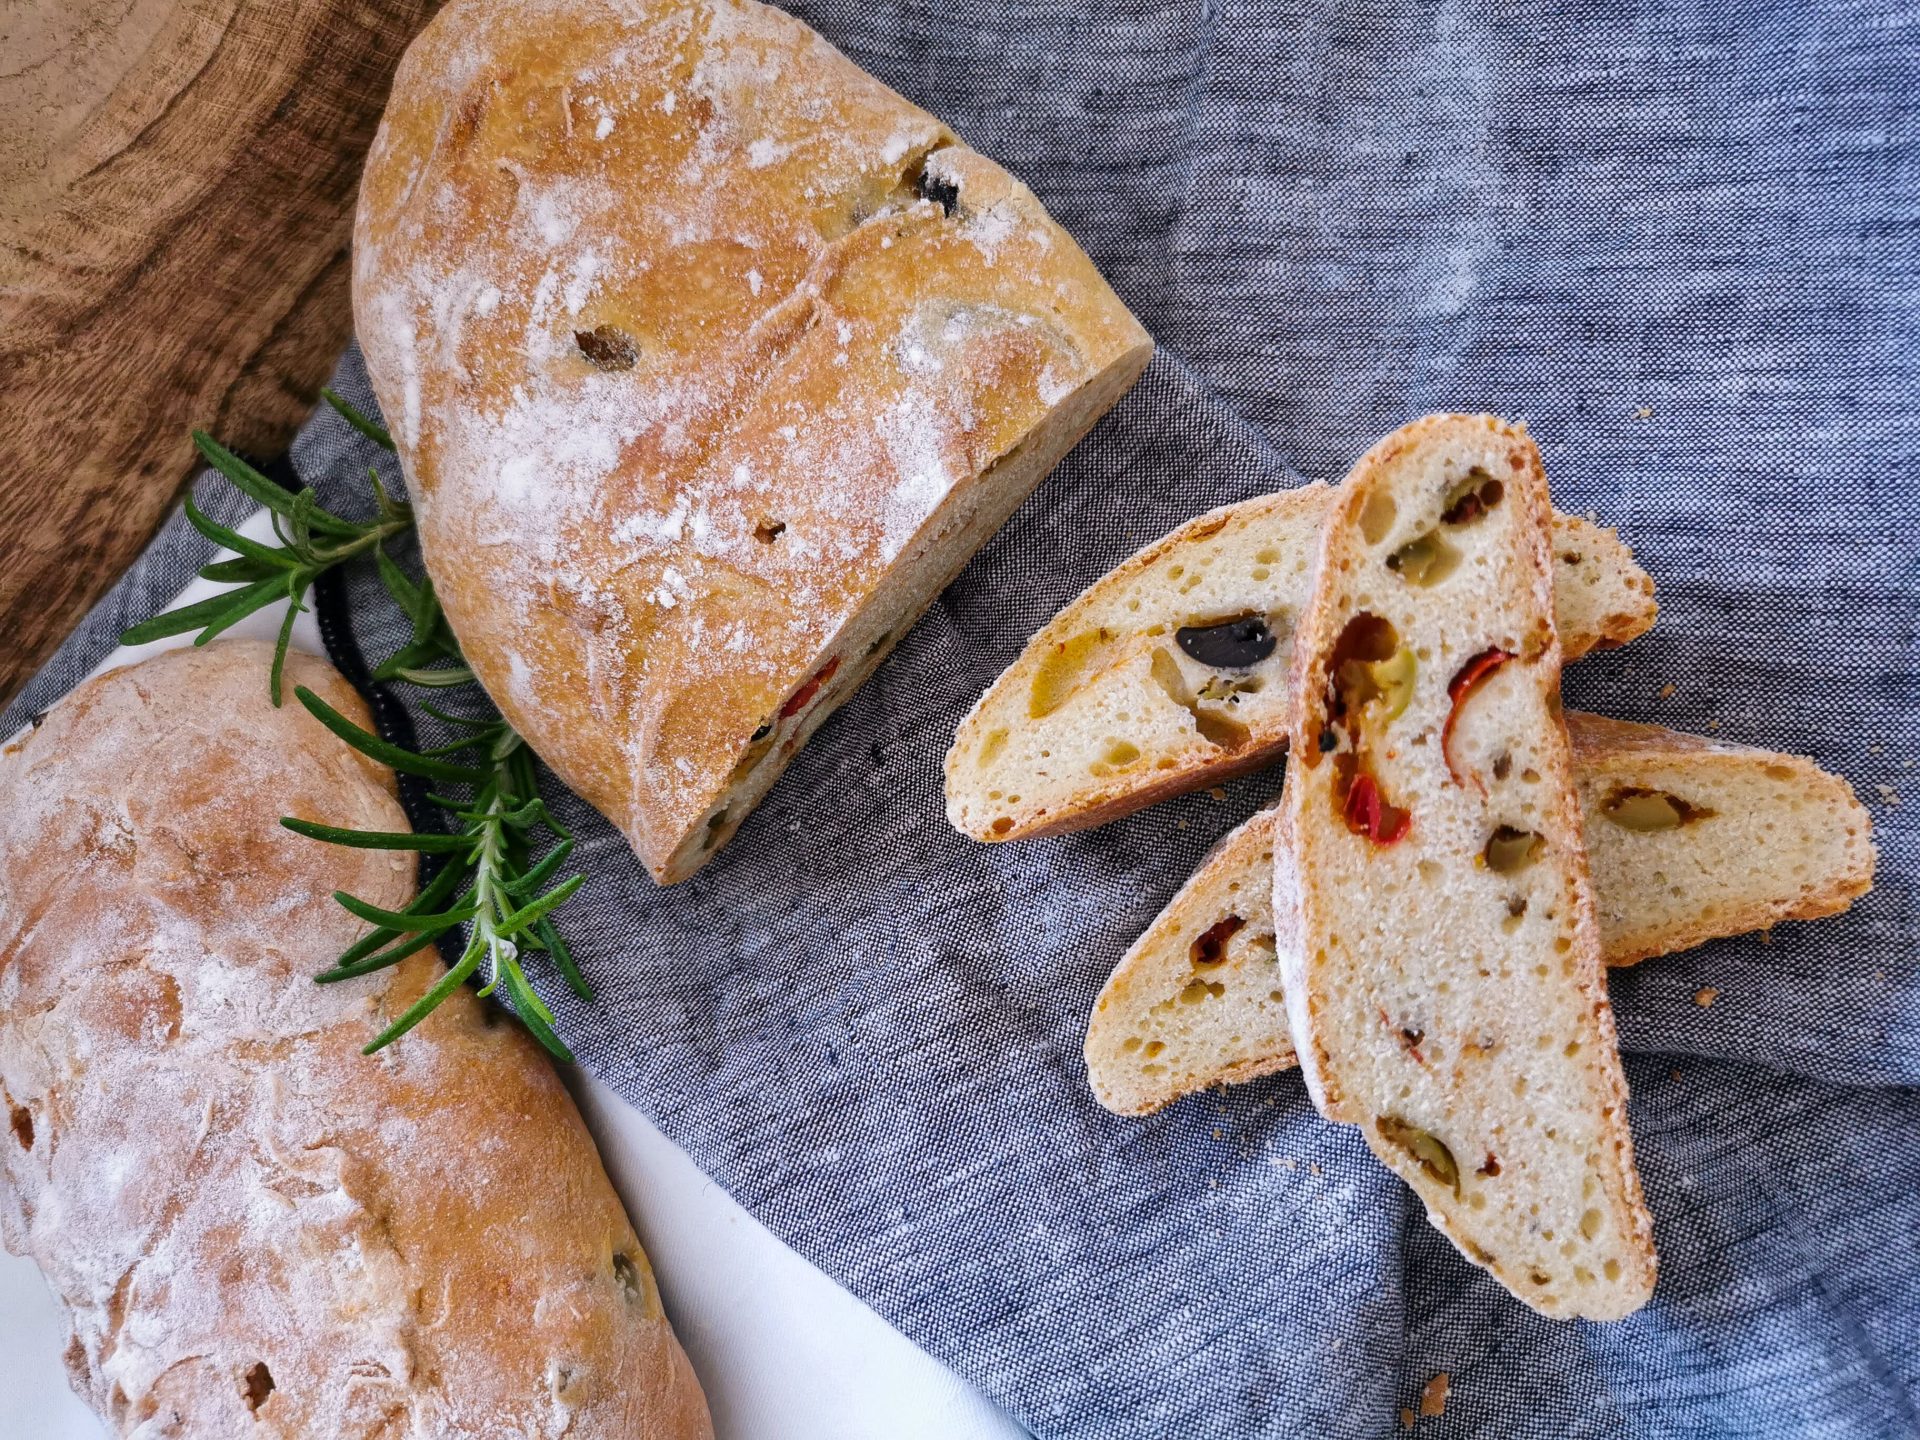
<point x="1437" y="937"/>
<point x="1688" y="840"/>
<point x="1171" y="672"/>
<point x="686" y="470"/>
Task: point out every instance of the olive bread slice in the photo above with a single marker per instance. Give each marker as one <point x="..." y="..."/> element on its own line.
<point x="1170" y="672"/>
<point x="1439" y="948"/>
<point x="1688" y="839"/>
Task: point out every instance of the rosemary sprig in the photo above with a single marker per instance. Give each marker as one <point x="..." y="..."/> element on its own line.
<point x="312" y="541"/>
<point x="488" y="881"/>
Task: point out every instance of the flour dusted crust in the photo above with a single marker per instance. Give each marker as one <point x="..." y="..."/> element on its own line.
<point x="1197" y="1000"/>
<point x="255" y="1230"/>
<point x="1438" y="945"/>
<point x="710" y="360"/>
<point x="1104" y="712"/>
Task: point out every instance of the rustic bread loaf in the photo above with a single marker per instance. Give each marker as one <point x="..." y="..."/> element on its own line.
<point x="1170" y="672"/>
<point x="1439" y="951"/>
<point x="1688" y="840"/>
<point x="254" y="1229"/>
<point x="710" y="361"/>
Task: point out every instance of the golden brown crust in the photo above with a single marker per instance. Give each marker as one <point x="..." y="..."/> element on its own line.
<point x="223" y="1192"/>
<point x="693" y="336"/>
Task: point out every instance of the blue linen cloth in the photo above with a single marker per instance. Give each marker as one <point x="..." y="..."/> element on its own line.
<point x="1679" y="241"/>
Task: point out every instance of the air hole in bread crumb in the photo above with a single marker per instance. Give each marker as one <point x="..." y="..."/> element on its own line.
<point x="1002" y="825"/>
<point x="23" y="1126"/>
<point x="259" y="1383"/>
<point x="1376" y="517"/>
<point x="769" y="530"/>
<point x="1210" y="946"/>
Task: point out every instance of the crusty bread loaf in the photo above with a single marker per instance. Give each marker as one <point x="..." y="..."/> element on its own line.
<point x="1114" y="703"/>
<point x="256" y="1230"/>
<point x="711" y="361"/>
<point x="1197" y="1000"/>
<point x="1439" y="951"/>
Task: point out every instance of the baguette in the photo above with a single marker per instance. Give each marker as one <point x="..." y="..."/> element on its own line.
<point x="1198" y="1001"/>
<point x="710" y="361"/>
<point x="1114" y="704"/>
<point x="254" y="1229"/>
<point x="1439" y="951"/>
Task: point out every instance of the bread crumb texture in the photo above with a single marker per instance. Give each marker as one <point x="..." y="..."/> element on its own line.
<point x="254" y="1230"/>
<point x="710" y="359"/>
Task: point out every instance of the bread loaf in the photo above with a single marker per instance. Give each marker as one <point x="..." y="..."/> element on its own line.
<point x="254" y="1229"/>
<point x="1688" y="840"/>
<point x="1438" y="946"/>
<point x="1140" y="689"/>
<point x="710" y="361"/>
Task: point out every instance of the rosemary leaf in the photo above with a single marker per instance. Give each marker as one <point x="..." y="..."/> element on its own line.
<point x="452" y="873"/>
<point x="367" y="965"/>
<point x="562" y="957"/>
<point x="435" y="679"/>
<point x="282" y="641"/>
<point x="530" y="883"/>
<point x="379" y="839"/>
<point x="353" y="415"/>
<point x="235" y="541"/>
<point x="258" y="487"/>
<point x="533" y="910"/>
<point x="242" y="568"/>
<point x="404" y="919"/>
<point x="427" y="1003"/>
<point x="448" y="718"/>
<point x="385" y="752"/>
<point x="176" y="622"/>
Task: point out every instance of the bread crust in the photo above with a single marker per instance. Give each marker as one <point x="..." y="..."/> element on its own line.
<point x="1602" y="600"/>
<point x="709" y="359"/>
<point x="254" y="1229"/>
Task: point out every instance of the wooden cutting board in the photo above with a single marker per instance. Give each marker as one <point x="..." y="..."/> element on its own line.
<point x="176" y="190"/>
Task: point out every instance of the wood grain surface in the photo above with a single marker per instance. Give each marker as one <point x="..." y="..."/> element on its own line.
<point x="176" y="191"/>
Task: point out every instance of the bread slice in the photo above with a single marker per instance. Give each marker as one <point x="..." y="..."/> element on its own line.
<point x="1720" y="839"/>
<point x="1688" y="840"/>
<point x="710" y="361"/>
<point x="1439" y="950"/>
<point x="1113" y="705"/>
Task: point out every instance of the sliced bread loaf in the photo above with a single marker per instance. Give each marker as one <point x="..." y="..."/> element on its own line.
<point x="1687" y="839"/>
<point x="1439" y="950"/>
<point x="708" y="373"/>
<point x="1170" y="672"/>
